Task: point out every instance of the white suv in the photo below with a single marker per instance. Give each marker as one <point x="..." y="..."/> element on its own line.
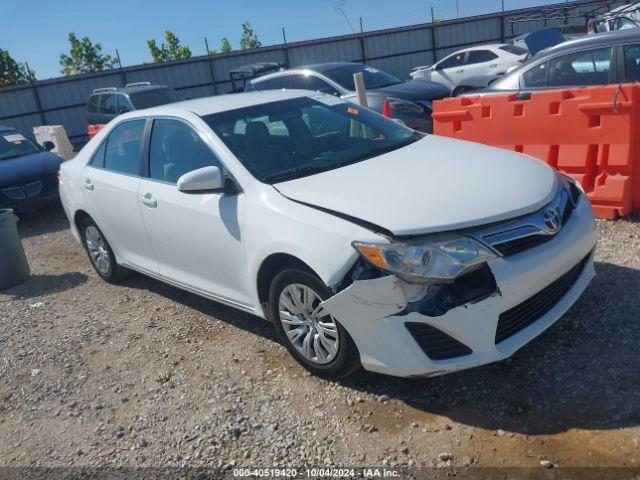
<point x="364" y="242"/>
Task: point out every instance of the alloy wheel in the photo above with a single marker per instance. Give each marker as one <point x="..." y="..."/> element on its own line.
<point x="97" y="249"/>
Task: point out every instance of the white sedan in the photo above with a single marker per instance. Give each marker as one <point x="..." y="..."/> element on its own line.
<point x="485" y="60"/>
<point x="364" y="242"/>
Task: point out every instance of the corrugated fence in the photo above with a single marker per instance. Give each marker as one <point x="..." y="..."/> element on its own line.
<point x="62" y="101"/>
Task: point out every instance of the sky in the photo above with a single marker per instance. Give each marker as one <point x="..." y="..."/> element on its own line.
<point x="36" y="31"/>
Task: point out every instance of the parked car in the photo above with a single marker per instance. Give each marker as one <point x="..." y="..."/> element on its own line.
<point x="363" y="241"/>
<point x="410" y="102"/>
<point x="605" y="58"/>
<point x="451" y="71"/>
<point x="239" y="76"/>
<point x="620" y="18"/>
<point x="533" y="42"/>
<point x="27" y="171"/>
<point x="107" y="103"/>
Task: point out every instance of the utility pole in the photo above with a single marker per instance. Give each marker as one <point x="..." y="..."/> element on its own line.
<point x="457" y="8"/>
<point x="206" y="44"/>
<point x="433" y="16"/>
<point x="361" y="26"/>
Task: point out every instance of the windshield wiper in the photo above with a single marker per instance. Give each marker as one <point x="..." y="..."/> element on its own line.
<point x="298" y="172"/>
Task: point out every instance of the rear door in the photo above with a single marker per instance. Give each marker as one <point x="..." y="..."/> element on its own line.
<point x="110" y="188"/>
<point x="481" y="63"/>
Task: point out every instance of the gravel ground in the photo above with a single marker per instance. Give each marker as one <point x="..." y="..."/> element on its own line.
<point x="143" y="374"/>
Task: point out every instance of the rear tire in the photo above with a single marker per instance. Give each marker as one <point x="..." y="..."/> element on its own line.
<point x="316" y="340"/>
<point x="100" y="253"/>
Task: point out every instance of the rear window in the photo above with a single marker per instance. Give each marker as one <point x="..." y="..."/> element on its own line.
<point x="514" y="50"/>
<point x="154" y="97"/>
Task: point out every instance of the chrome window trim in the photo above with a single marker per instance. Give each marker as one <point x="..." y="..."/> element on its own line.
<point x="529" y="225"/>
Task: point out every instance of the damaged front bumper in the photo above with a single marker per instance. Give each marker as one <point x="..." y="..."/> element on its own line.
<point x="534" y="289"/>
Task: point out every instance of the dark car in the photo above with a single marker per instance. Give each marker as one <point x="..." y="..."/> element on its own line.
<point x="107" y="103"/>
<point x="28" y="172"/>
<point x="409" y="101"/>
<point x="601" y="59"/>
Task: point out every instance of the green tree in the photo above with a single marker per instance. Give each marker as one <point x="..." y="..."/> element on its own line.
<point x="249" y="39"/>
<point x="226" y="46"/>
<point x="85" y="57"/>
<point x="12" y="72"/>
<point x="172" y="50"/>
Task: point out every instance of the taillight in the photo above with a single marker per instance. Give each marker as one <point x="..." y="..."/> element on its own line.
<point x="59" y="174"/>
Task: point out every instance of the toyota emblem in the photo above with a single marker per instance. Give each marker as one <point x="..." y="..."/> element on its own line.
<point x="551" y="219"/>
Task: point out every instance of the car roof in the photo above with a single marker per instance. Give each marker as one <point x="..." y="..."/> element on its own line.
<point x="325" y="67"/>
<point x="222" y="103"/>
<point x="484" y="47"/>
<point x="604" y="39"/>
<point x="128" y="89"/>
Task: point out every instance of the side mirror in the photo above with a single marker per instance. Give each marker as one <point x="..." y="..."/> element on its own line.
<point x="207" y="179"/>
<point x="48" y="145"/>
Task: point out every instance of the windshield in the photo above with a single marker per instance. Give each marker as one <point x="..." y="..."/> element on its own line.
<point x="294" y="138"/>
<point x="373" y="78"/>
<point x="155" y="97"/>
<point x="14" y="144"/>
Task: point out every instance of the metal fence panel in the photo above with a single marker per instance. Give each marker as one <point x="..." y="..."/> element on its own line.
<point x="336" y="51"/>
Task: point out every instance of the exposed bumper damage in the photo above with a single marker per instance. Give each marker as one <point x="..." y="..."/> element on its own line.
<point x="395" y="340"/>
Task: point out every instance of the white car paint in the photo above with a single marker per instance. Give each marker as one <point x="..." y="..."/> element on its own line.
<point x="420" y="176"/>
<point x="214" y="244"/>
<point x="454" y="75"/>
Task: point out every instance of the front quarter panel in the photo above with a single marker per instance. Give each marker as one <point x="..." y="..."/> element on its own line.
<point x="274" y="224"/>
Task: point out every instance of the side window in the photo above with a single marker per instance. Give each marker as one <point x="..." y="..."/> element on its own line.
<point x="92" y="105"/>
<point x="632" y="63"/>
<point x="480" y="56"/>
<point x="276" y="83"/>
<point x="311" y="82"/>
<point x="455" y="60"/>
<point x="177" y="149"/>
<point x="123" y="148"/>
<point x="124" y="105"/>
<point x="98" y="158"/>
<point x="108" y="104"/>
<point x="536" y="76"/>
<point x="580" y="69"/>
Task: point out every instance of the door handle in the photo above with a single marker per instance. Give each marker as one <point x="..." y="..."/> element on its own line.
<point x="149" y="201"/>
<point x="88" y="184"/>
<point x="460" y="71"/>
<point x="493" y="65"/>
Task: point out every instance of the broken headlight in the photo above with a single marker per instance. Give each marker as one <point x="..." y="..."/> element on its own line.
<point x="440" y="259"/>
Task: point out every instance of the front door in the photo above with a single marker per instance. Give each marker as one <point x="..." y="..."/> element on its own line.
<point x="197" y="237"/>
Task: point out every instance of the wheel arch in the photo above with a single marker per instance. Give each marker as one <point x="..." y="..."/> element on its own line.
<point x="270" y="267"/>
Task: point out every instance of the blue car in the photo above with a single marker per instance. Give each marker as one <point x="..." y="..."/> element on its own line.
<point x="28" y="172"/>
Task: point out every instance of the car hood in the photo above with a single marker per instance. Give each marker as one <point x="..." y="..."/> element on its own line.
<point x="16" y="171"/>
<point x="433" y="185"/>
<point x="415" y="90"/>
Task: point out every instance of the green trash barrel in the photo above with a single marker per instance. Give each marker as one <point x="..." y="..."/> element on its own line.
<point x="14" y="268"/>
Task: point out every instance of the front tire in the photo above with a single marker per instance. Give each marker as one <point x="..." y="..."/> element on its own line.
<point x="100" y="253"/>
<point x="312" y="336"/>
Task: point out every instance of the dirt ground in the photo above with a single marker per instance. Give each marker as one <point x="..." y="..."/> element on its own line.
<point x="146" y="375"/>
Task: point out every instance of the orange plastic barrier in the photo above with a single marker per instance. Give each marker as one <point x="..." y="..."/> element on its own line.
<point x="93" y="129"/>
<point x="591" y="134"/>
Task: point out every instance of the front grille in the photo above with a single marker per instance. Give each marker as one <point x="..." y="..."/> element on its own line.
<point x="529" y="311"/>
<point x="436" y="344"/>
<point x="33" y="189"/>
<point x="14" y="193"/>
<point x="521" y="244"/>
